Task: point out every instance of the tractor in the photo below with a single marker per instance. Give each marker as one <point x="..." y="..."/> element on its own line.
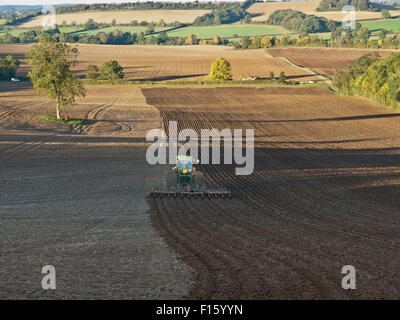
<point x="185" y="180"/>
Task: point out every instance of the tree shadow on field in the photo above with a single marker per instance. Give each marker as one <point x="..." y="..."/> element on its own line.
<point x="174" y="77"/>
<point x="137" y="67"/>
<point x="67" y="138"/>
<point x="350" y="118"/>
<point x="19" y="56"/>
<point x="9" y="86"/>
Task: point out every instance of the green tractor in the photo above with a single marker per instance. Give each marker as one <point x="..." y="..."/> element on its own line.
<point x="184" y="176"/>
<point x="185" y="181"/>
<point x="184" y="169"/>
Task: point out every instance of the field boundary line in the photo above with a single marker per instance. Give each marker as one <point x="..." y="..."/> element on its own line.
<point x="308" y="70"/>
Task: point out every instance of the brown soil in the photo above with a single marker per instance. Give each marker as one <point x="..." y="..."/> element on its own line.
<point x="324" y="60"/>
<point x="160" y="63"/>
<point x="324" y="194"/>
<point x="75" y="198"/>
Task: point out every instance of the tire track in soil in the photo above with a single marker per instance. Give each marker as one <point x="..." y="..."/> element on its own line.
<point x="12" y="111"/>
<point x="276" y="230"/>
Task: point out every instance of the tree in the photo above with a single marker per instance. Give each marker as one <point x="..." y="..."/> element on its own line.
<point x="385" y="14"/>
<point x="92" y="71"/>
<point x="111" y="70"/>
<point x="255" y="43"/>
<point x="363" y="34"/>
<point x="216" y="39"/>
<point x="245" y="42"/>
<point x="150" y="29"/>
<point x="271" y="75"/>
<point x="162" y="38"/>
<point x="191" y="39"/>
<point x="282" y="77"/>
<point x="51" y="74"/>
<point x="161" y="23"/>
<point x="8" y="67"/>
<point x="221" y="69"/>
<point x="247" y="19"/>
<point x="266" y="42"/>
<point x="90" y="24"/>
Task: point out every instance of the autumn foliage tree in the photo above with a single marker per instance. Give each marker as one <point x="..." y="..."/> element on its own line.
<point x="191" y="39"/>
<point x="111" y="70"/>
<point x="221" y="69"/>
<point x="51" y="73"/>
<point x="373" y="77"/>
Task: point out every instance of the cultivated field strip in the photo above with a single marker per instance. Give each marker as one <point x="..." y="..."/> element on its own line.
<point x="324" y="192"/>
<point x="325" y="61"/>
<point x="162" y="63"/>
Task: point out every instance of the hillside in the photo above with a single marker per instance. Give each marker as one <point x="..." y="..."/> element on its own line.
<point x="126" y="16"/>
<point x="308" y="7"/>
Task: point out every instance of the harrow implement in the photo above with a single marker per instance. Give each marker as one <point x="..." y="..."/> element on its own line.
<point x="217" y="194"/>
<point x="184" y="181"/>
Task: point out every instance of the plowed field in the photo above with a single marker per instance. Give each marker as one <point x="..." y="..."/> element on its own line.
<point x="324" y="193"/>
<point x="324" y="60"/>
<point x="159" y="63"/>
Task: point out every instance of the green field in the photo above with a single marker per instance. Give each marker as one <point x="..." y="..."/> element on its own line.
<point x="2" y="21"/>
<point x="377" y="25"/>
<point x="323" y="35"/>
<point x="227" y="31"/>
<point x="70" y="29"/>
<point x="15" y="32"/>
<point x="137" y="29"/>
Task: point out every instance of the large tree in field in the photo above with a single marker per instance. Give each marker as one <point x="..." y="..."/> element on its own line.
<point x="221" y="69"/>
<point x="111" y="70"/>
<point x="51" y="73"/>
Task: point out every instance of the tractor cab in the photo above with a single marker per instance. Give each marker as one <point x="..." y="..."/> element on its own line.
<point x="184" y="168"/>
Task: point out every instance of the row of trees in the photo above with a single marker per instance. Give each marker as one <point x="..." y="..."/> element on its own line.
<point x="114" y="37"/>
<point x="337" y="5"/>
<point x="149" y="5"/>
<point x="300" y="22"/>
<point x="221" y="16"/>
<point x="8" y="67"/>
<point x="14" y="19"/>
<point x="373" y="77"/>
<point x="91" y="24"/>
<point x="229" y="13"/>
<point x="340" y="38"/>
